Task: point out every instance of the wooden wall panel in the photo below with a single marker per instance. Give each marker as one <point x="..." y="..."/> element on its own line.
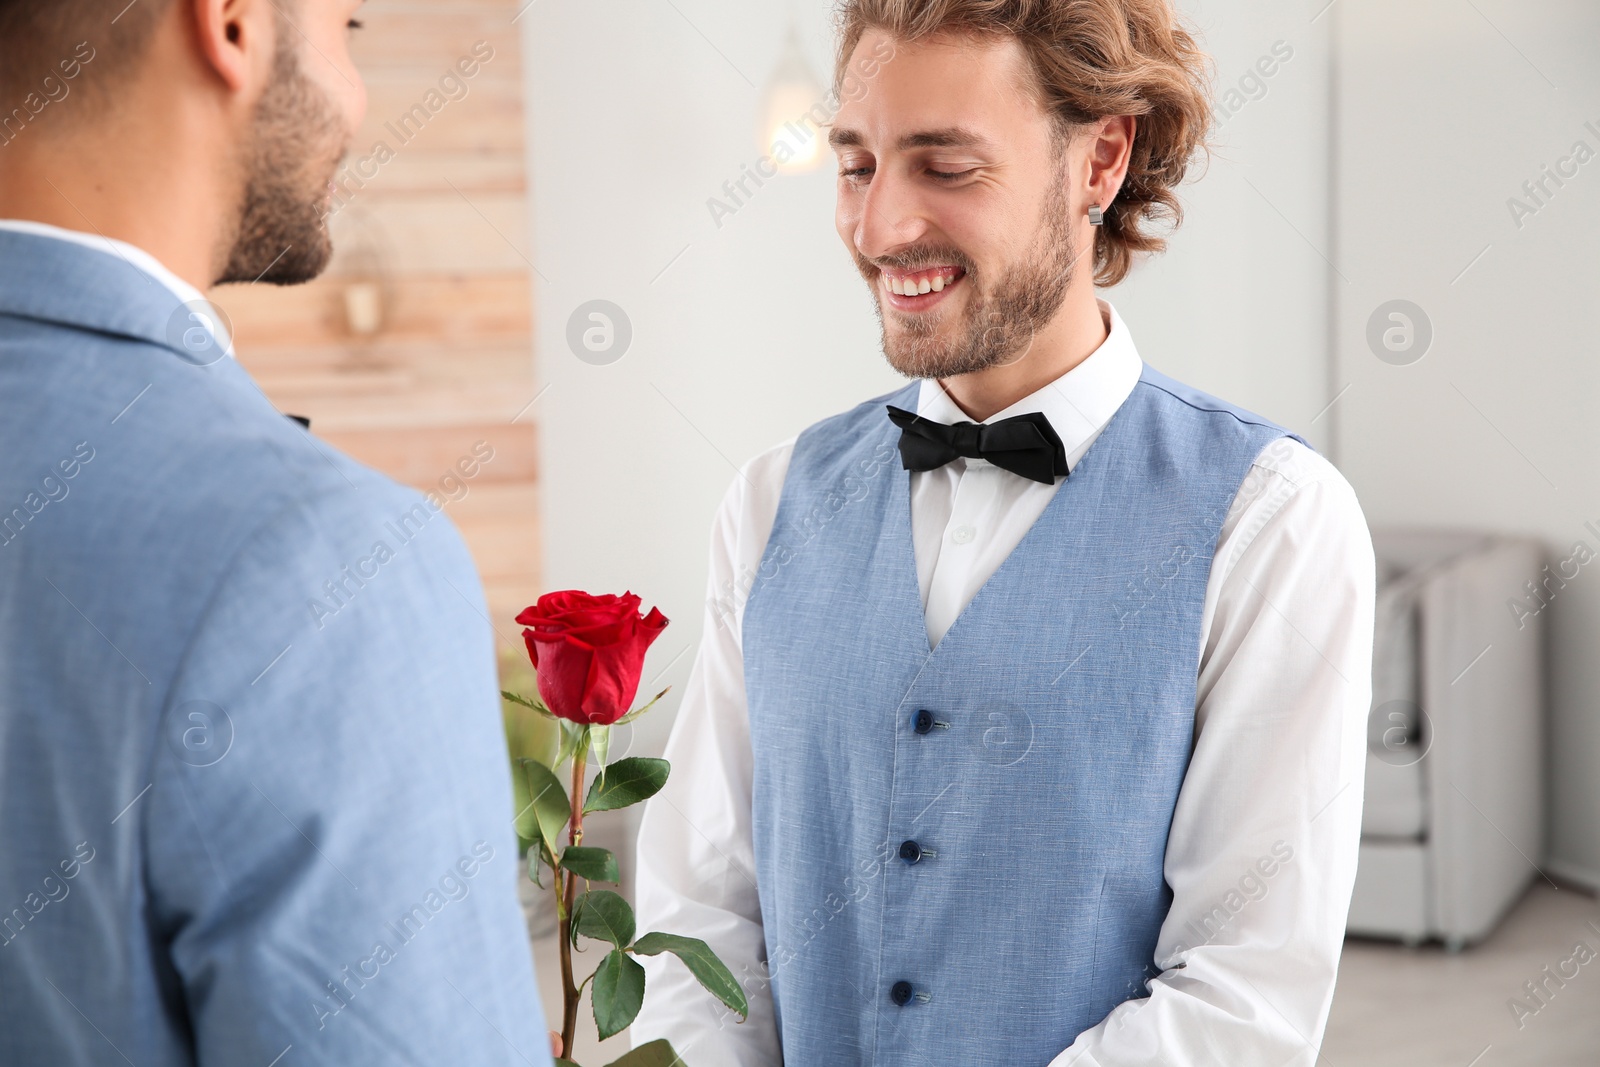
<point x="439" y="308"/>
<point x="432" y="219"/>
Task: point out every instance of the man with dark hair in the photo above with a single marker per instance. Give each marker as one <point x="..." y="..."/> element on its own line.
<point x="102" y="134"/>
<point x="36" y="40"/>
<point x="1028" y="726"/>
<point x="241" y="826"/>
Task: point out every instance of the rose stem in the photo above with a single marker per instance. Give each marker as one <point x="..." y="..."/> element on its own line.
<point x="569" y="1021"/>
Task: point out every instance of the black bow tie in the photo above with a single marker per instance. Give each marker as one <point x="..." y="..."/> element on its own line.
<point x="1026" y="445"/>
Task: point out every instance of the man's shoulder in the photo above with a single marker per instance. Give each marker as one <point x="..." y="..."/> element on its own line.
<point x="830" y="451"/>
<point x="1294" y="500"/>
<point x="180" y="473"/>
<point x="1297" y="464"/>
<point x="292" y="512"/>
<point x="193" y="438"/>
<point x="866" y="415"/>
<point x="859" y="439"/>
<point x="1178" y="395"/>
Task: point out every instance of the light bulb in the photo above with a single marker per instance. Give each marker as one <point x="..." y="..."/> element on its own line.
<point x="794" y="108"/>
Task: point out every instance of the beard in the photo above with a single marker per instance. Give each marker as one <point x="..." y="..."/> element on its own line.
<point x="296" y="143"/>
<point x="999" y="321"/>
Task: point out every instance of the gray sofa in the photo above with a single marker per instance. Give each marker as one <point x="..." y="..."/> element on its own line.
<point x="1453" y="819"/>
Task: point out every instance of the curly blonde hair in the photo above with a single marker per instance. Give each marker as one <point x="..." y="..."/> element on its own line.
<point x="1092" y="59"/>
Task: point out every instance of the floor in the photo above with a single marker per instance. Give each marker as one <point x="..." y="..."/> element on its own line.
<point x="1395" y="1006"/>
<point x="1423" y="1007"/>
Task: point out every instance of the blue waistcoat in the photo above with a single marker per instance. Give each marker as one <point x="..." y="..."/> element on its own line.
<point x="959" y="851"/>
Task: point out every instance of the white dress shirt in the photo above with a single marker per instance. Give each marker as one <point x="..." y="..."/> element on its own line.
<point x="1261" y="854"/>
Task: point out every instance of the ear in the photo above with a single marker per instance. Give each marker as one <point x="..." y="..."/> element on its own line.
<point x="1110" y="148"/>
<point x="236" y="39"/>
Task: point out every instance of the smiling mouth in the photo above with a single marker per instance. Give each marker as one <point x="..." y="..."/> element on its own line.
<point x="914" y="290"/>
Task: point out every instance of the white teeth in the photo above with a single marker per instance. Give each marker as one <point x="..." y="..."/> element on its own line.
<point x="911" y="287"/>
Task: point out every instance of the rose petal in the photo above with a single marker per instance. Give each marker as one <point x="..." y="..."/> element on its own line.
<point x="589" y="651"/>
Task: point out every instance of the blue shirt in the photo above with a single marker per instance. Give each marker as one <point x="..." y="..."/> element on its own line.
<point x="254" y="792"/>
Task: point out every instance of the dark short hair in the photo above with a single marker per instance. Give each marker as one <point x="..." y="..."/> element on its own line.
<point x="49" y="39"/>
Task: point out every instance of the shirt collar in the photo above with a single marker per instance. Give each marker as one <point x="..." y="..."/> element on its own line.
<point x="1078" y="404"/>
<point x="135" y="257"/>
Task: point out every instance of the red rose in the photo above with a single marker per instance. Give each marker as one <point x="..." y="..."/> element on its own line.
<point x="589" y="652"/>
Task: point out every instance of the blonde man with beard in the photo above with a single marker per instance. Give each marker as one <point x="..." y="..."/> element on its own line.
<point x="1038" y="736"/>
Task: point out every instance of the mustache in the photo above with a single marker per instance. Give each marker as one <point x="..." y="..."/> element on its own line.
<point x="915" y="259"/>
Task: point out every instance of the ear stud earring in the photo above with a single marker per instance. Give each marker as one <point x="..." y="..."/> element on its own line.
<point x="1096" y="216"/>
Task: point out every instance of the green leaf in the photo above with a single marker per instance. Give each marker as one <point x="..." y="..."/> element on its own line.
<point x="702" y="963"/>
<point x="618" y="992"/>
<point x="658" y="1053"/>
<point x="534" y="861"/>
<point x="606" y="917"/>
<point x="595" y="864"/>
<point x="525" y="702"/>
<point x="530" y="734"/>
<point x="600" y="739"/>
<point x="627" y="781"/>
<point x="574" y="741"/>
<point x="543" y="807"/>
<point x="523" y="819"/>
<point x="636" y="712"/>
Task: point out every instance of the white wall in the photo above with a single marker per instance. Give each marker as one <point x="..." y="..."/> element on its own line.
<point x="756" y="330"/>
<point x="640" y="110"/>
<point x="1238" y="305"/>
<point x="639" y="114"/>
<point x="1445" y="112"/>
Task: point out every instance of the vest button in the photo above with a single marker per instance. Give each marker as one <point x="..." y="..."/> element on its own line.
<point x="900" y="992"/>
<point x="922" y="721"/>
<point x="910" y="851"/>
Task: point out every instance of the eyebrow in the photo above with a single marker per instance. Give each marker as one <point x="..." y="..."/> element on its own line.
<point x="950" y="137"/>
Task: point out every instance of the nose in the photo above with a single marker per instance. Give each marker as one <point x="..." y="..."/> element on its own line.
<point x="892" y="217"/>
